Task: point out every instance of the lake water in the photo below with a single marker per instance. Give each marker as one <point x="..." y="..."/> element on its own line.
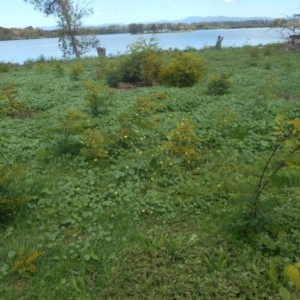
<point x="19" y="51"/>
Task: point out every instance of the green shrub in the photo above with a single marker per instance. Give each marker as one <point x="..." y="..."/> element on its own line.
<point x="113" y="72"/>
<point x="97" y="97"/>
<point x="113" y="78"/>
<point x="59" y="69"/>
<point x="41" y="67"/>
<point x="142" y="62"/>
<point x="184" y="70"/>
<point x="5" y="67"/>
<point x="131" y="71"/>
<point x="254" y="52"/>
<point x="268" y="65"/>
<point x="140" y="65"/>
<point x="268" y="50"/>
<point x="77" y="70"/>
<point x="12" y="197"/>
<point x="68" y="133"/>
<point x="12" y="107"/>
<point x="263" y="210"/>
<point x="219" y="85"/>
<point x="102" y="62"/>
<point x="94" y="145"/>
<point x="182" y="141"/>
<point x="141" y="116"/>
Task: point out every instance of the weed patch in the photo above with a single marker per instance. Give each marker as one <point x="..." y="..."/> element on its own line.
<point x="187" y="190"/>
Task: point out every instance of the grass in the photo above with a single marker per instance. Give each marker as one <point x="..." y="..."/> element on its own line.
<point x="152" y="209"/>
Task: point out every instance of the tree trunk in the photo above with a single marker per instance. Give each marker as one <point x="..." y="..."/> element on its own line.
<point x="69" y="28"/>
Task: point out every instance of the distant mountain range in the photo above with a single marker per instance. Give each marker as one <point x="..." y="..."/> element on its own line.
<point x="195" y="19"/>
<point x="188" y="20"/>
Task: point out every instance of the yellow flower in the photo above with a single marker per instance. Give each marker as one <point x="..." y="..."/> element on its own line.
<point x="26" y="263"/>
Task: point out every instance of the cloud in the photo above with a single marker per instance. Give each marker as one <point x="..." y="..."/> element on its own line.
<point x="228" y="1"/>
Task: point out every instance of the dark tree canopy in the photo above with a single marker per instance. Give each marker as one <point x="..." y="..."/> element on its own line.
<point x="48" y="7"/>
<point x="69" y="15"/>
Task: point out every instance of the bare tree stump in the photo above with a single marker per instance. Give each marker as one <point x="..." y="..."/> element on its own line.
<point x="101" y="51"/>
<point x="219" y="42"/>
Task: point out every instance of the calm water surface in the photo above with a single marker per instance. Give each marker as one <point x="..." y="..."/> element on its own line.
<point x="22" y="50"/>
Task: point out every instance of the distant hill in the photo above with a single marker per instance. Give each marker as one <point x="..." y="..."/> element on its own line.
<point x="188" y="20"/>
<point x="195" y="19"/>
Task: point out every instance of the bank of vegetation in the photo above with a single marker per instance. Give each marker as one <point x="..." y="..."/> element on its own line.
<point x="152" y="175"/>
<point x="135" y="28"/>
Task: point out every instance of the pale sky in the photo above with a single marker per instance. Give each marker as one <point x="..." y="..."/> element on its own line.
<point x="17" y="13"/>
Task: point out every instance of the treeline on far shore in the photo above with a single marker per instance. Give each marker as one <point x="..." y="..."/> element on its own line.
<point x="136" y="28"/>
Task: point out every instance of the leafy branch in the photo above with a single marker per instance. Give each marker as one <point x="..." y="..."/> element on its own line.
<point x="289" y="139"/>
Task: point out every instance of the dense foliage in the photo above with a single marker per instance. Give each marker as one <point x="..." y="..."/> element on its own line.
<point x="151" y="192"/>
<point x="183" y="70"/>
<point x="142" y="63"/>
<point x="136" y="28"/>
<point x="145" y="64"/>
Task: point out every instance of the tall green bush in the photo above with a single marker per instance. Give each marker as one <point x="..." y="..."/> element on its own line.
<point x="77" y="70"/>
<point x="97" y="97"/>
<point x="113" y="72"/>
<point x="184" y="70"/>
<point x="5" y="67"/>
<point x="12" y="195"/>
<point x="66" y="134"/>
<point x="140" y="65"/>
<point x="260" y="205"/>
<point x="219" y="85"/>
<point x="143" y="62"/>
<point x="12" y="107"/>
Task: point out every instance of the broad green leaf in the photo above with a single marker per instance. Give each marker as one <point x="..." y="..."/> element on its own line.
<point x="293" y="274"/>
<point x="284" y="293"/>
